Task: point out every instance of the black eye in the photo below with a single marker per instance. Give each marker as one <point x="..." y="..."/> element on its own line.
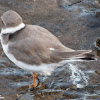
<point x="2" y="23"/>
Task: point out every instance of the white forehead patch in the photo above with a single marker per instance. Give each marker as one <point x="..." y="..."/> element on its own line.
<point x="51" y="49"/>
<point x="12" y="29"/>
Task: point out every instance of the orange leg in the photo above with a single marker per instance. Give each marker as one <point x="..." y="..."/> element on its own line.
<point x="34" y="80"/>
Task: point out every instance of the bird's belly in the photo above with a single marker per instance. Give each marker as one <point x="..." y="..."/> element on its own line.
<point x="44" y="69"/>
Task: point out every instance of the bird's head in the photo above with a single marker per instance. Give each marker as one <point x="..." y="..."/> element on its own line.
<point x="11" y="22"/>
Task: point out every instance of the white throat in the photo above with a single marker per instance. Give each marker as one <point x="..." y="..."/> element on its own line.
<point x="12" y="29"/>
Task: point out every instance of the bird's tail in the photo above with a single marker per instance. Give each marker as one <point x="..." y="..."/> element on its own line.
<point x="83" y="55"/>
<point x="86" y="56"/>
<point x="77" y="55"/>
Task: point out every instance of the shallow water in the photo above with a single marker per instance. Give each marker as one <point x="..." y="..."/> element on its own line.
<point x="77" y="26"/>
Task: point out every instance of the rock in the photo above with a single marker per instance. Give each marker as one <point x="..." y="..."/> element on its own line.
<point x="97" y="45"/>
<point x="97" y="2"/>
<point x="26" y="96"/>
<point x="68" y="2"/>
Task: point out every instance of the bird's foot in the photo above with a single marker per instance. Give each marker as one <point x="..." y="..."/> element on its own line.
<point x="31" y="86"/>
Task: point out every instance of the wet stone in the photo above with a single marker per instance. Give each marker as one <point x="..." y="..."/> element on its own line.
<point x="97" y="44"/>
<point x="72" y="95"/>
<point x="68" y="2"/>
<point x="97" y="2"/>
<point x="26" y="96"/>
<point x="14" y="73"/>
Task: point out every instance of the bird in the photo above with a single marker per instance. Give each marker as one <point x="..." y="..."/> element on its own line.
<point x="35" y="49"/>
